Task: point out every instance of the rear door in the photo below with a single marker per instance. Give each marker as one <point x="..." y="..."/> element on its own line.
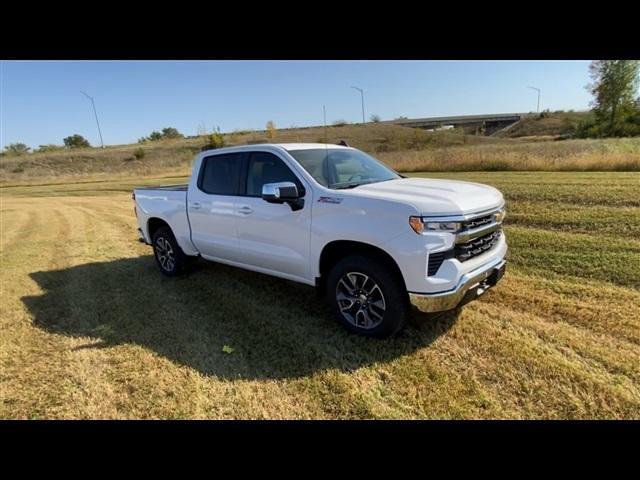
<point x="211" y="203"/>
<point x="272" y="236"/>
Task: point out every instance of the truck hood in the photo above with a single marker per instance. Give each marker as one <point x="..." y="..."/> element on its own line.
<point x="435" y="196"/>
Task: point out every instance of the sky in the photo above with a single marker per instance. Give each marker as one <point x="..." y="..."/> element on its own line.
<point x="41" y="103"/>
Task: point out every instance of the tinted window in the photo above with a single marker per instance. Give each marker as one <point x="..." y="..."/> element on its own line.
<point x="267" y="168"/>
<point x="221" y="174"/>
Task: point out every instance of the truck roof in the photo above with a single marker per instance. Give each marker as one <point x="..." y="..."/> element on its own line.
<point x="308" y="146"/>
<point x="286" y="146"/>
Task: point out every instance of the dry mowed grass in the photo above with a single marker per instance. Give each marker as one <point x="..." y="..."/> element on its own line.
<point x="90" y="329"/>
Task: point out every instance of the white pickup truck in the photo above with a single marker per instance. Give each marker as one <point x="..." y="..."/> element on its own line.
<point x="372" y="240"/>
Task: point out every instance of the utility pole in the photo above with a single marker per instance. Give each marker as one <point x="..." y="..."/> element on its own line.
<point x="324" y="114"/>
<point x="96" y="115"/>
<point x="538" y="90"/>
<point x="362" y="99"/>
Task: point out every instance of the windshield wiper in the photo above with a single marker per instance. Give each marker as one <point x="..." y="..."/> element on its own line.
<point x="344" y="186"/>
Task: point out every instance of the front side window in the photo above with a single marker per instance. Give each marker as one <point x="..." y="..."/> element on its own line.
<point x="264" y="168"/>
<point x="342" y="167"/>
<point x="221" y="174"/>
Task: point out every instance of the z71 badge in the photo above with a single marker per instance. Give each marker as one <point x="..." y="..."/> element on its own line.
<point x="330" y="200"/>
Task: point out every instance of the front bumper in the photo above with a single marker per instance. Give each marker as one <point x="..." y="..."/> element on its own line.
<point x="471" y="286"/>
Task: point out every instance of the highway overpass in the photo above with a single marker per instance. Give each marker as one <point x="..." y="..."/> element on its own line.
<point x="487" y="123"/>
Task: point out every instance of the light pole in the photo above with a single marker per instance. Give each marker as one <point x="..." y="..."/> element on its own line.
<point x="96" y="115"/>
<point x="538" y="90"/>
<point x="362" y="98"/>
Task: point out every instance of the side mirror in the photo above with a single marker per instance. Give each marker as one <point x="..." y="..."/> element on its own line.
<point x="282" y="192"/>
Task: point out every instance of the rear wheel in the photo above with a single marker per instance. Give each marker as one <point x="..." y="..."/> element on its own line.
<point x="169" y="256"/>
<point x="367" y="296"/>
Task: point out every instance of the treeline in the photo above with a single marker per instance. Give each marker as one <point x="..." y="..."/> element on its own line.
<point x="616" y="104"/>
<point x="78" y="141"/>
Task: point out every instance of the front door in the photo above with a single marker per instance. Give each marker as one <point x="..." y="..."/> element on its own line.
<point x="272" y="236"/>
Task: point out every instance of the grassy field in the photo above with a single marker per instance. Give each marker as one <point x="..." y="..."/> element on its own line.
<point x="91" y="330"/>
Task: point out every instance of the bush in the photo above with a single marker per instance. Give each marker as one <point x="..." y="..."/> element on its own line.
<point x="49" y="148"/>
<point x="215" y="140"/>
<point x="167" y="133"/>
<point x="76" y="141"/>
<point x="138" y="153"/>
<point x="340" y="123"/>
<point x="593" y="128"/>
<point x="375" y="118"/>
<point x="17" y="149"/>
<point x="171" y="132"/>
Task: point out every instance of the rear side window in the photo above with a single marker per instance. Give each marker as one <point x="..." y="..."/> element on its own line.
<point x="220" y="174"/>
<point x="264" y="168"/>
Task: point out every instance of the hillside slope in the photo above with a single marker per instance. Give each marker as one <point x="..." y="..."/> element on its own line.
<point x="403" y="148"/>
<point x="545" y="124"/>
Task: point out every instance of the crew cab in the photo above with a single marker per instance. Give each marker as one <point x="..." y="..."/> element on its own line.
<point x="331" y="216"/>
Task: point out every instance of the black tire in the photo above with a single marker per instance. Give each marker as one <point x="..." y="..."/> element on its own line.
<point x="367" y="316"/>
<point x="171" y="260"/>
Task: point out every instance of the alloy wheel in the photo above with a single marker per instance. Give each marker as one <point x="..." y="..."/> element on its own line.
<point x="360" y="300"/>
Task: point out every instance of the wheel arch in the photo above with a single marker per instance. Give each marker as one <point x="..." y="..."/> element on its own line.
<point x="336" y="250"/>
<point x="154" y="223"/>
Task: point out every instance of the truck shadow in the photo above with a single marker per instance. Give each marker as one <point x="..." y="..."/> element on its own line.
<point x="277" y="328"/>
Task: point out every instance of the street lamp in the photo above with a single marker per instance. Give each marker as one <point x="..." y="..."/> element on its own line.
<point x="96" y="115"/>
<point x="362" y="98"/>
<point x="538" y="90"/>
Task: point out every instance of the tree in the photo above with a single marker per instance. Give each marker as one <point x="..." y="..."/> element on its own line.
<point x="76" y="141"/>
<point x="171" y="132"/>
<point x="271" y="129"/>
<point x="17" y="149"/>
<point x="614" y="87"/>
<point x="375" y="118"/>
<point x="155" y="136"/>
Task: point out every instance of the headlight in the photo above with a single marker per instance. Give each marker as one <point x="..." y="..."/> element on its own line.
<point x="499" y="216"/>
<point x="419" y="226"/>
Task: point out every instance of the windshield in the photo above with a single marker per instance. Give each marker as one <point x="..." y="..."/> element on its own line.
<point x="342" y="167"/>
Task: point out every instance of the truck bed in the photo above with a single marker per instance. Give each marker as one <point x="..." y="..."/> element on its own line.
<point x="179" y="188"/>
<point x="165" y="202"/>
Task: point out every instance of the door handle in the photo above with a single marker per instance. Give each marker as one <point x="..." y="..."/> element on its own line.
<point x="246" y="210"/>
<point x="195" y="205"/>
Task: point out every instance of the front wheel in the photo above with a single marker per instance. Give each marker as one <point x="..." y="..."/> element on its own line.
<point x="367" y="297"/>
<point x="169" y="256"/>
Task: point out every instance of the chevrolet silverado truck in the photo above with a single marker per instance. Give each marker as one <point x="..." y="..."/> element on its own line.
<point x="372" y="241"/>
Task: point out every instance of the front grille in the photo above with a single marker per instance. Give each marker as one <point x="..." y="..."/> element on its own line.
<point x="466" y="251"/>
<point x="477" y="222"/>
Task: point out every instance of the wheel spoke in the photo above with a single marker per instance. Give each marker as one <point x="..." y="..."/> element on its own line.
<point x="378" y="304"/>
<point x="350" y="289"/>
<point x="376" y="314"/>
<point x="341" y="297"/>
<point x="353" y="281"/>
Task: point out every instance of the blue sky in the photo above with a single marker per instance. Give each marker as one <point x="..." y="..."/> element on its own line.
<point x="41" y="102"/>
